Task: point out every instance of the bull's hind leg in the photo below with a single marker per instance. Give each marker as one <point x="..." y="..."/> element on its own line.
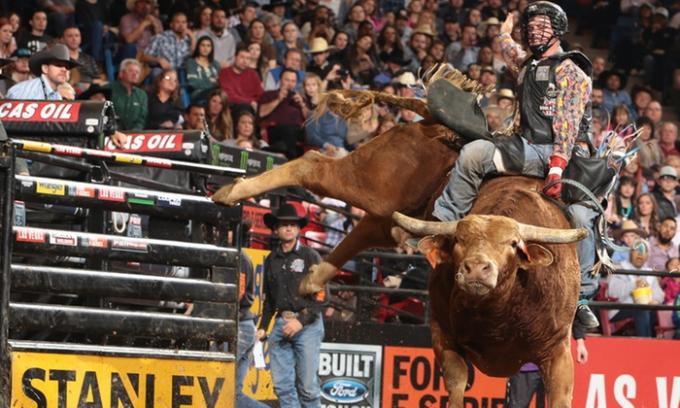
<point x="453" y="366"/>
<point x="370" y="232"/>
<point x="558" y="376"/>
<point x="299" y="172"/>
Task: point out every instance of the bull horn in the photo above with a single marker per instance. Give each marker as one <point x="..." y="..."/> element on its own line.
<point x="422" y="228"/>
<point x="551" y="235"/>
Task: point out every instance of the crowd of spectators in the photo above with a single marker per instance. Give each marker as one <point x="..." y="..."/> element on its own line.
<point x="253" y="72"/>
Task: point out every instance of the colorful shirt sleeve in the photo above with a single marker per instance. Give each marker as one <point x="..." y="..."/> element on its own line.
<point x="573" y="93"/>
<point x="513" y="54"/>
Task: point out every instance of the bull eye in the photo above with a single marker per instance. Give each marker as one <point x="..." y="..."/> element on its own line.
<point x="514" y="244"/>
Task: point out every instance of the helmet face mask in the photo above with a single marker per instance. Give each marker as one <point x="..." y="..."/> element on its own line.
<point x="539" y="32"/>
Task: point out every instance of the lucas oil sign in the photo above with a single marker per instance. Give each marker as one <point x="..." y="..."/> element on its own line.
<point x="45" y="380"/>
<point x="350" y="375"/>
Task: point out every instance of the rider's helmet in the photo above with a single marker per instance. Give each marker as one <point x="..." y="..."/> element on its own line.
<point x="558" y="23"/>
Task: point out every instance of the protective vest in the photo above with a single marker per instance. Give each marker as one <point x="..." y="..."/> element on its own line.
<point x="538" y="96"/>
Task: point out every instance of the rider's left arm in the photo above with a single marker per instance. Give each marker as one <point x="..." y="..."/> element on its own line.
<point x="573" y="93"/>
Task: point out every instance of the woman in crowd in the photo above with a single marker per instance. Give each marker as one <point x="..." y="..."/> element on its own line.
<point x="650" y="152"/>
<point x="414" y="8"/>
<point x="362" y="60"/>
<point x="389" y="42"/>
<point x="622" y="122"/>
<point x="202" y="70"/>
<point x="437" y="51"/>
<point x="312" y="88"/>
<point x="291" y="39"/>
<point x="258" y="34"/>
<point x="163" y="102"/>
<point x="202" y="22"/>
<point x="623" y="204"/>
<point x="485" y="57"/>
<point x="645" y="213"/>
<point x="371" y="11"/>
<point x="340" y="47"/>
<point x="245" y="132"/>
<point x="218" y="116"/>
<point x="258" y="61"/>
<point x="8" y="43"/>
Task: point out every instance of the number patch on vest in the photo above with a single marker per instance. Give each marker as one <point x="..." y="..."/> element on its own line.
<point x="543" y="73"/>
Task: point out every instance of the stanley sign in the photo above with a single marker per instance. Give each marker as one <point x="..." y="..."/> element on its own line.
<point x="45" y="380"/>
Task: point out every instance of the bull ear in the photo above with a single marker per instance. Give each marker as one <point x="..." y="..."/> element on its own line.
<point x="432" y="247"/>
<point x="534" y="255"/>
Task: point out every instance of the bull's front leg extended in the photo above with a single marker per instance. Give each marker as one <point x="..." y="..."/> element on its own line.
<point x="452" y="364"/>
<point x="558" y="376"/>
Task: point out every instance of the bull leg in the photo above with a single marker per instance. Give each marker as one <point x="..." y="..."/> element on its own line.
<point x="558" y="376"/>
<point x="303" y="171"/>
<point x="370" y="232"/>
<point x="453" y="366"/>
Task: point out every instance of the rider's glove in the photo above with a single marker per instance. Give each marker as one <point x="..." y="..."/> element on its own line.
<point x="556" y="165"/>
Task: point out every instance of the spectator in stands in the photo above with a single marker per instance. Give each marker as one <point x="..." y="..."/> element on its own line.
<point x="320" y="64"/>
<point x="272" y="23"/>
<point x="163" y="102"/>
<point x="241" y="83"/>
<point x="614" y="92"/>
<point x="328" y="133"/>
<point x="218" y="116"/>
<point x="668" y="137"/>
<point x="295" y="341"/>
<point x="203" y="20"/>
<point x="5" y="78"/>
<point x="464" y="52"/>
<point x="258" y="34"/>
<point x="339" y="47"/>
<point x="646" y="213"/>
<point x="597" y="96"/>
<point x="311" y="91"/>
<point x="661" y="248"/>
<point x="599" y="64"/>
<point x="257" y="60"/>
<point x="61" y="14"/>
<point x="194" y="117"/>
<point x="654" y="111"/>
<point x="246" y="16"/>
<point x="224" y="40"/>
<point x="671" y="285"/>
<point x="291" y="41"/>
<point x="642" y="96"/>
<point x="362" y="60"/>
<point x="202" y="70"/>
<point x="284" y="112"/>
<point x="20" y="70"/>
<point x="420" y="43"/>
<point x="664" y="192"/>
<point x="88" y="72"/>
<point x="650" y="152"/>
<point x="660" y="38"/>
<point x="626" y="235"/>
<point x="130" y="101"/>
<point x="623" y="202"/>
<point x="138" y="27"/>
<point x="621" y="287"/>
<point x="451" y="32"/>
<point x="172" y="47"/>
<point x="50" y="67"/>
<point x="245" y="133"/>
<point x="394" y="63"/>
<point x="8" y="43"/>
<point x="91" y="17"/>
<point x="292" y="62"/>
<point x="35" y="39"/>
<point x="355" y="16"/>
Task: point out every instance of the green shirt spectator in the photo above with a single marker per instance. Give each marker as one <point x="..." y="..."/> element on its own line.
<point x="130" y="101"/>
<point x="202" y="70"/>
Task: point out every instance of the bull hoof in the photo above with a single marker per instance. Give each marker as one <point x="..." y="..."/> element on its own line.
<point x="316" y="279"/>
<point x="308" y="287"/>
<point x="226" y="194"/>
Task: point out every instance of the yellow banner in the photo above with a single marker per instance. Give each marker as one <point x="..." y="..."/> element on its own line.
<point x="50" y="188"/>
<point x="73" y="380"/>
<point x="258" y="382"/>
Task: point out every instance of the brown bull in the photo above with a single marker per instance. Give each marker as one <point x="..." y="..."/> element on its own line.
<point x="400" y="170"/>
<point x="498" y="297"/>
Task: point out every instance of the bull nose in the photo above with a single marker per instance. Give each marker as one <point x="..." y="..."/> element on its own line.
<point x="477" y="268"/>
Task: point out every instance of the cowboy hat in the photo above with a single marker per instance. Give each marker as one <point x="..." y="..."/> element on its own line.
<point x="606" y="74"/>
<point x="629" y="226"/>
<point x="491" y="21"/>
<point x="424" y="29"/>
<point x="130" y="4"/>
<point x="56" y="53"/>
<point x="286" y="212"/>
<point x="506" y="93"/>
<point x="405" y="79"/>
<point x="96" y="89"/>
<point x="318" y="45"/>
